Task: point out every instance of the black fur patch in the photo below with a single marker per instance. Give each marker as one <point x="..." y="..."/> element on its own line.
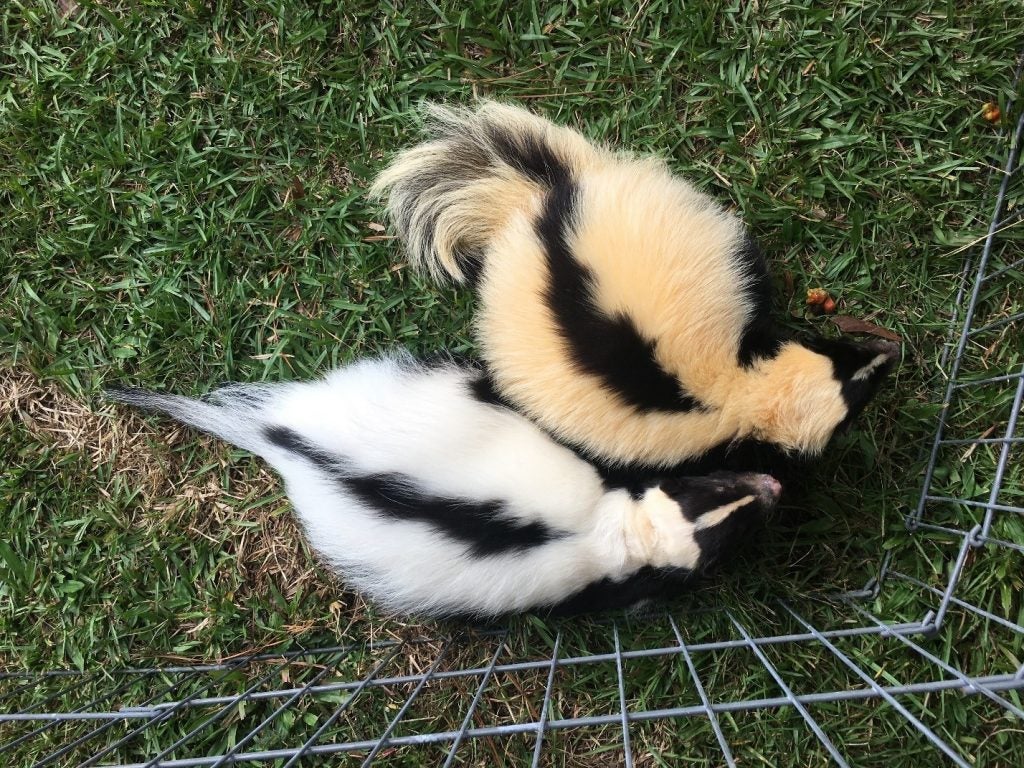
<point x="480" y="524"/>
<point x="698" y="495"/>
<point x="607" y="595"/>
<point x="485" y="390"/>
<point x="735" y="456"/>
<point x="292" y="441"/>
<point x="530" y="154"/>
<point x="610" y="348"/>
<point x="719" y="543"/>
<point x="847" y="358"/>
<point x="760" y="337"/>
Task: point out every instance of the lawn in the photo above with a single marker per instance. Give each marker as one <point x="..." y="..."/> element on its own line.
<point x="182" y="190"/>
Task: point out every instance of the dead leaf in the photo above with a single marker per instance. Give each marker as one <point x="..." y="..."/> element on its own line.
<point x="375" y="227"/>
<point x="848" y="324"/>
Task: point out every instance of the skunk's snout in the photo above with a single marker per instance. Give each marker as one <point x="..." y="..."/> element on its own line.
<point x="892" y="350"/>
<point x="765" y="487"/>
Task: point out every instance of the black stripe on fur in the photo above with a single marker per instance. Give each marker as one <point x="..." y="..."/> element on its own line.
<point x="760" y="337"/>
<point x="745" y="455"/>
<point x="480" y="524"/>
<point x="530" y="154"/>
<point x="292" y="442"/>
<point x="483" y="525"/>
<point x="648" y="583"/>
<point x="610" y="348"/>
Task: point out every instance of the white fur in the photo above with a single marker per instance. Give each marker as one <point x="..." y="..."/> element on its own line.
<point x="865" y="373"/>
<point x="395" y="416"/>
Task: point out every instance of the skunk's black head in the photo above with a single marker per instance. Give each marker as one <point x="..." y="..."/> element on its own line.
<point x="723" y="508"/>
<point x="858" y="368"/>
<point x="815" y="386"/>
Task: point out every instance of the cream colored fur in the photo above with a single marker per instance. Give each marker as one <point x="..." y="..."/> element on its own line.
<point x="469" y="214"/>
<point x="661" y="253"/>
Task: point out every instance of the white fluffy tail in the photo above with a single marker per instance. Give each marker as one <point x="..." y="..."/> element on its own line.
<point x="448" y="196"/>
<point x="231" y="413"/>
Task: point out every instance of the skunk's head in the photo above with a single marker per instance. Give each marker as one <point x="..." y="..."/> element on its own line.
<point x="722" y="507"/>
<point x="815" y="387"/>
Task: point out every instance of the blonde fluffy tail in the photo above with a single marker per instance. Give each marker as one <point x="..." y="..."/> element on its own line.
<point x="449" y="196"/>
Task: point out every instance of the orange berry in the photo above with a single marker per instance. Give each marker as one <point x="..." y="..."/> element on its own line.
<point x="991" y="112"/>
<point x="816" y="296"/>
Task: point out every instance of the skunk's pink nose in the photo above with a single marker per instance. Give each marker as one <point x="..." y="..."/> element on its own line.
<point x="770" y="488"/>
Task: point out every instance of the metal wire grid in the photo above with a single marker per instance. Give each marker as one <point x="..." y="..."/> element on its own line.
<point x="430" y="699"/>
<point x="191" y="699"/>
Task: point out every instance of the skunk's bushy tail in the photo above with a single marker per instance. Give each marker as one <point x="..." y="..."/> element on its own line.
<point x="448" y="196"/>
<point x="231" y="412"/>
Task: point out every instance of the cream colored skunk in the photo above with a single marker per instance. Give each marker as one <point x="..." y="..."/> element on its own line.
<point x="620" y="308"/>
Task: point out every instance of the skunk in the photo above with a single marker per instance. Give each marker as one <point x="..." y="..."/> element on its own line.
<point x="434" y="503"/>
<point x="618" y="307"/>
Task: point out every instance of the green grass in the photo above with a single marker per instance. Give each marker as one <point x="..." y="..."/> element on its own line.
<point x="182" y="191"/>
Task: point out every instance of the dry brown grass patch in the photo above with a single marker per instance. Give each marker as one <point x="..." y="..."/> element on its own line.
<point x="268" y="553"/>
<point x="54" y="418"/>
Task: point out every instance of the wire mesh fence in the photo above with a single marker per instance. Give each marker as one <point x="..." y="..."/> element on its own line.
<point x="626" y="689"/>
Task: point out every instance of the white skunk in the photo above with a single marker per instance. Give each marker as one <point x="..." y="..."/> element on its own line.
<point x="434" y="502"/>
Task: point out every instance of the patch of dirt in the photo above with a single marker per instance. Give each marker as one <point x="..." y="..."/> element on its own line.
<point x="338" y="173"/>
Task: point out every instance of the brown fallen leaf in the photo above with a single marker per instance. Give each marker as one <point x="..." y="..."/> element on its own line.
<point x="296" y="191"/>
<point x="848" y="324"/>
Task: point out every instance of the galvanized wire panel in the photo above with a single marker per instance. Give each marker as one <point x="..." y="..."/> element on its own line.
<point x="437" y="701"/>
<point x="629" y="688"/>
